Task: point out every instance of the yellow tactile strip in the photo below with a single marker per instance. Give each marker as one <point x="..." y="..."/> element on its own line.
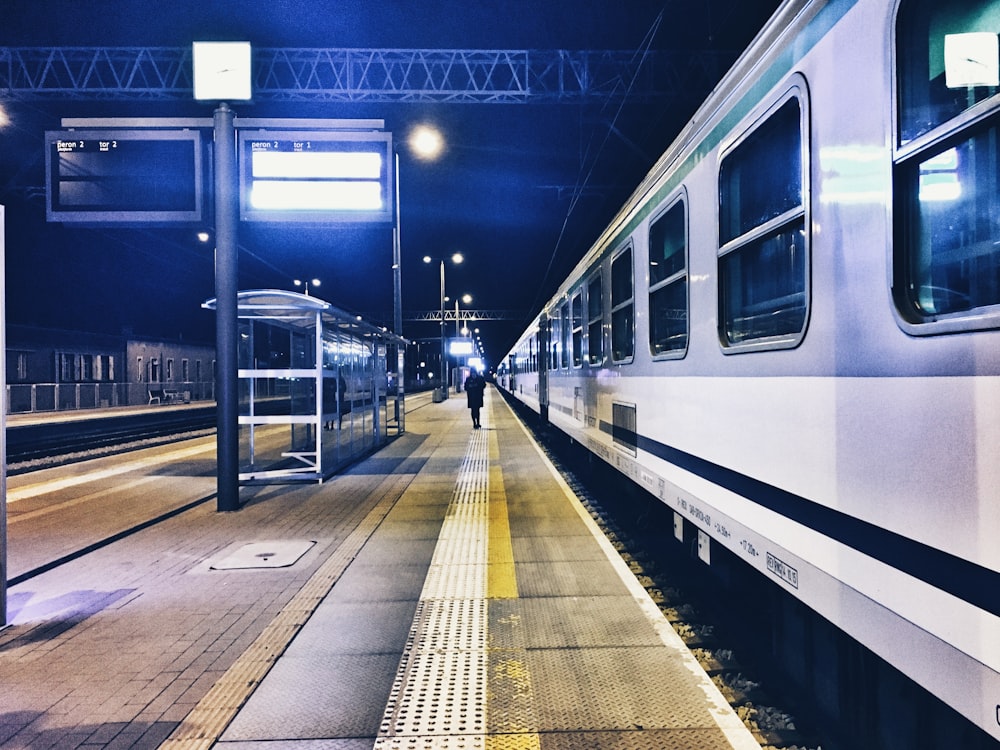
<point x="206" y="722"/>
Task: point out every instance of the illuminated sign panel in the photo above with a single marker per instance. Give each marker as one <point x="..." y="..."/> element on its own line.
<point x="460" y="347"/>
<point x="316" y="176"/>
<point x="123" y="176"/>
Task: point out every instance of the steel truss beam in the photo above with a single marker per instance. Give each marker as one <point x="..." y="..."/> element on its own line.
<point x="364" y="75"/>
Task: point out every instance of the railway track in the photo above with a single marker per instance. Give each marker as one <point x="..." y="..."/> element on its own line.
<point x="32" y="446"/>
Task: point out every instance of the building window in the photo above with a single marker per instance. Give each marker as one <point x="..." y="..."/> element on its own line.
<point x="170" y="370"/>
<point x="946" y="264"/>
<point x="595" y="320"/>
<point x="763" y="263"/>
<point x="67" y="373"/>
<point x="140" y="374"/>
<point x="668" y="282"/>
<point x="622" y="307"/>
<point x="20" y="365"/>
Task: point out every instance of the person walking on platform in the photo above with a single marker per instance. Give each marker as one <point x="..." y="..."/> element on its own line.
<point x="475" y="384"/>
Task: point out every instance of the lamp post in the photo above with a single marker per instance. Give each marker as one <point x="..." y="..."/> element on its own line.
<point x="300" y="282"/>
<point x="466" y="298"/>
<point x="456" y="258"/>
<point x="426" y="144"/>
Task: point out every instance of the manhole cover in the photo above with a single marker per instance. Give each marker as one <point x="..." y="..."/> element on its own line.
<point x="263" y="555"/>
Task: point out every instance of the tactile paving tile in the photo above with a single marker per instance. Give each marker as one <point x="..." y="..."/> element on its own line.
<point x="586" y="621"/>
<point x="581" y="689"/>
<point x="438" y="694"/>
<point x="455" y="624"/>
<point x="638" y="739"/>
<point x="464" y="742"/>
<point x="576" y="578"/>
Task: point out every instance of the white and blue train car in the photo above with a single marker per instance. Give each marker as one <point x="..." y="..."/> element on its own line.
<point x="789" y="333"/>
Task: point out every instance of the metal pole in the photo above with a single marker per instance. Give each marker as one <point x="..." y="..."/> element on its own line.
<point x="3" y="430"/>
<point x="444" y="366"/>
<point x="397" y="310"/>
<point x="226" y="319"/>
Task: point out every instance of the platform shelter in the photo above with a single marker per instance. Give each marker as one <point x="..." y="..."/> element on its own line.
<point x="313" y="383"/>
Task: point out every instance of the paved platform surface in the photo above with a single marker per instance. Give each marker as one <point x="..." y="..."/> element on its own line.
<point x="447" y="592"/>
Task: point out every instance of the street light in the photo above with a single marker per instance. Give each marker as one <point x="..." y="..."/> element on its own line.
<point x="300" y="282"/>
<point x="456" y="258"/>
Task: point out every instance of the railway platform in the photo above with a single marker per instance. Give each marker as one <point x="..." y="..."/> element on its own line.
<point x="449" y="591"/>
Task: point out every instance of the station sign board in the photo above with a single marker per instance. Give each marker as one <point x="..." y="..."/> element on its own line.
<point x="316" y="176"/>
<point x="460" y="347"/>
<point x="124" y="176"/>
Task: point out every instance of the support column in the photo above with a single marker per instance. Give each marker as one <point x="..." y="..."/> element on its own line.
<point x="226" y="317"/>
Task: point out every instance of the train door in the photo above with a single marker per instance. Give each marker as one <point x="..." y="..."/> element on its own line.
<point x="544" y="362"/>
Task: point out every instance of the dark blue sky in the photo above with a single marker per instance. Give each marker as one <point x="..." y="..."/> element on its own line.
<point x="493" y="195"/>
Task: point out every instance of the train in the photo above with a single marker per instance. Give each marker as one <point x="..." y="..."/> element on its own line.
<point x="788" y="334"/>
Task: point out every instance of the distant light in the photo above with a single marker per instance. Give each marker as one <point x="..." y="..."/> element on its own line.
<point x="4" y="117"/>
<point x="457" y="258"/>
<point x="466" y="298"/>
<point x="305" y="195"/>
<point x="204" y="236"/>
<point x="426" y="142"/>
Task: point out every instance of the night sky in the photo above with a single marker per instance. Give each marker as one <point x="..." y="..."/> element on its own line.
<point x="494" y="195"/>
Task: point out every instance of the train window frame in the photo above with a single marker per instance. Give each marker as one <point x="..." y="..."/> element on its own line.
<point x="576" y="325"/>
<point x="939" y="286"/>
<point x="623" y="307"/>
<point x="555" y="340"/>
<point x="565" y="323"/>
<point x="765" y="237"/>
<point x="674" y="279"/>
<point x="595" y="319"/>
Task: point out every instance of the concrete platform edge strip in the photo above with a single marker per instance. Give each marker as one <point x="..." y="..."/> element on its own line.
<point x="736" y="732"/>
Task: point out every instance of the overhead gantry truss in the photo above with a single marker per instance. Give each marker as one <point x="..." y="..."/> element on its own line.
<point x="364" y="75"/>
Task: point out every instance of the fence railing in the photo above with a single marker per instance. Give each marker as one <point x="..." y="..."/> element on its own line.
<point x="23" y="398"/>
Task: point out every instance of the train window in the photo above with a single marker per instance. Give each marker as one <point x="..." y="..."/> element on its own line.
<point x="566" y="332"/>
<point x="576" y="311"/>
<point x="947" y="59"/>
<point x="668" y="283"/>
<point x="555" y="340"/>
<point x="763" y="265"/>
<point x="595" y="320"/>
<point x="622" y="307"/>
<point x="946" y="265"/>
